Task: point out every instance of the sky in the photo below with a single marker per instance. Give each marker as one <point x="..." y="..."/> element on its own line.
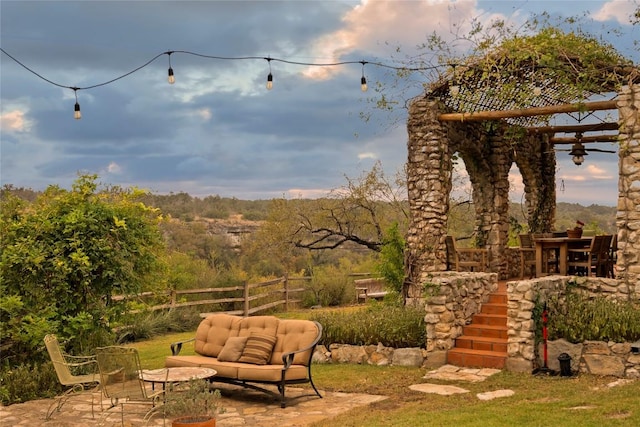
<point x="218" y="130"/>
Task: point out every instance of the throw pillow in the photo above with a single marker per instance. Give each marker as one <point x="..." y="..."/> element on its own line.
<point x="258" y="349"/>
<point x="232" y="349"/>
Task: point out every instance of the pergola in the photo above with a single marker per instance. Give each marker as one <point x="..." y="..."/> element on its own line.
<point x="495" y="119"/>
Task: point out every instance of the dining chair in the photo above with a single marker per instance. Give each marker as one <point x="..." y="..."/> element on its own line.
<point x="591" y="260"/>
<point x="613" y="257"/>
<point x="460" y="258"/>
<point x="123" y="384"/>
<point x="78" y="373"/>
<point x="549" y="256"/>
<point x="527" y="252"/>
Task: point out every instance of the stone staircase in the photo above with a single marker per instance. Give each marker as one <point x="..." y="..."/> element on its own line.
<point x="483" y="343"/>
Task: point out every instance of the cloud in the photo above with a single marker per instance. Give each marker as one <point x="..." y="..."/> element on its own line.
<point x="14" y="121"/>
<point x="368" y="155"/>
<point x="618" y="10"/>
<point x="387" y="27"/>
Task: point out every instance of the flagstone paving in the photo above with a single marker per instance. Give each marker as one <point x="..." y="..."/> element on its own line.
<point x="244" y="407"/>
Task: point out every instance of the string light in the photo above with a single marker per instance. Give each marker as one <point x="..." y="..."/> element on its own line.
<point x="363" y="79"/>
<point x="270" y="76"/>
<point x="171" y="78"/>
<point x="76" y="109"/>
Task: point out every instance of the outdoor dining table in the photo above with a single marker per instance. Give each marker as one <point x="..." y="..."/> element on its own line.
<point x="561" y="245"/>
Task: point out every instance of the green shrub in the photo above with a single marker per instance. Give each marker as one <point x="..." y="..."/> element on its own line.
<point x="28" y="382"/>
<point x="390" y="325"/>
<point x="148" y="325"/>
<point x="578" y="318"/>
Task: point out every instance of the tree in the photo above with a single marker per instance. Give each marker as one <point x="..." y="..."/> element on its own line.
<point x="64" y="255"/>
<point x="353" y="216"/>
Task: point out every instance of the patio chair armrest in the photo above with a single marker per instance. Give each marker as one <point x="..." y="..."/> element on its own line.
<point x="287" y="358"/>
<point x="76" y="364"/>
<point x="177" y="346"/>
<point x="78" y="359"/>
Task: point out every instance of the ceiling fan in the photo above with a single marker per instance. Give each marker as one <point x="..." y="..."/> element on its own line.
<point x="578" y="150"/>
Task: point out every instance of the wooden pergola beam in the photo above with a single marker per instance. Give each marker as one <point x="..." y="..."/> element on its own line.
<point x="593" y="127"/>
<point x="527" y="112"/>
<point x="584" y="139"/>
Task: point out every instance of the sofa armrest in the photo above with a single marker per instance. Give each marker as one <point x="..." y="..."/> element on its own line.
<point x="287" y="358"/>
<point x="177" y="346"/>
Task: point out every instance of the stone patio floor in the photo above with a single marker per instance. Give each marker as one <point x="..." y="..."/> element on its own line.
<point x="244" y="407"/>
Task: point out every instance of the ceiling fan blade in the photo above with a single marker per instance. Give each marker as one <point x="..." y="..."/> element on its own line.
<point x="601" y="151"/>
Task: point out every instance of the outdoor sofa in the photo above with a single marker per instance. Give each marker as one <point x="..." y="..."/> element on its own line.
<point x="250" y="351"/>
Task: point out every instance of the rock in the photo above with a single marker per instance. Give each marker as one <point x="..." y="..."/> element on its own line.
<point x="443" y="390"/>
<point x="490" y="395"/>
<point x="407" y="357"/>
<point x="598" y="364"/>
<point x="555" y="349"/>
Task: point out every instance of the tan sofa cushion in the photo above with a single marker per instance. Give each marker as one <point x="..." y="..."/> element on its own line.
<point x="232" y="350"/>
<point x="223" y="369"/>
<point x="258" y="348"/>
<point x="299" y="334"/>
<point x="251" y="372"/>
<point x="213" y="332"/>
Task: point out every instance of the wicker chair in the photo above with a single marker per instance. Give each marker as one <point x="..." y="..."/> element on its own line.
<point x="121" y="381"/>
<point x="66" y="366"/>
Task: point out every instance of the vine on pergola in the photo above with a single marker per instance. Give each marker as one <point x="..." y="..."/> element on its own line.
<point x="551" y="67"/>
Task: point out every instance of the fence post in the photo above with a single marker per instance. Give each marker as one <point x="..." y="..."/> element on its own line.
<point x="246" y="299"/>
<point x="286" y="292"/>
<point x="174" y="296"/>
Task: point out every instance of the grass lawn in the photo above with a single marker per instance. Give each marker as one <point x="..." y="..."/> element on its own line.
<point x="582" y="401"/>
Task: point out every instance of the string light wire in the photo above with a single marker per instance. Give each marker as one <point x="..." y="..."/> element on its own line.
<point x="171" y="77"/>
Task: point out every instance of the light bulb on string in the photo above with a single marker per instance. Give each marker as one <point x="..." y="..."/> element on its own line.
<point x="171" y="78"/>
<point x="270" y="76"/>
<point x="363" y="79"/>
<point x="76" y="108"/>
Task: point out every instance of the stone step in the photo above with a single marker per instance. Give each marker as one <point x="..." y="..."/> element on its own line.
<point x="489" y="331"/>
<point x="497" y="298"/>
<point x="482" y="343"/>
<point x="476" y="358"/>
<point x="493" y="308"/>
<point x="489" y="319"/>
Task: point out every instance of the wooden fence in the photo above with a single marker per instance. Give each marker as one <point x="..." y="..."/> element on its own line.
<point x="252" y="297"/>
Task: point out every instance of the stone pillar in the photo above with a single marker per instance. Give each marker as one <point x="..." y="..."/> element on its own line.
<point x="628" y="214"/>
<point x="429" y="184"/>
<point x="488" y="160"/>
<point x="536" y="160"/>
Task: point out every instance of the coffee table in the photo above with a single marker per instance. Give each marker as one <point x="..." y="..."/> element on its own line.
<point x="175" y="375"/>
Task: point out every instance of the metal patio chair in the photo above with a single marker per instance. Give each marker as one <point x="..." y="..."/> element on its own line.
<point x="122" y="383"/>
<point x="67" y="367"/>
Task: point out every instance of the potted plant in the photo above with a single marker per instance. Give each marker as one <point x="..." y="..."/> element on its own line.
<point x="193" y="405"/>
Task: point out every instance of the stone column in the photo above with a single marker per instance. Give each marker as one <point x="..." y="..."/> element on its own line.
<point x="488" y="158"/>
<point x="536" y="160"/>
<point x="628" y="214"/>
<point x="429" y="184"/>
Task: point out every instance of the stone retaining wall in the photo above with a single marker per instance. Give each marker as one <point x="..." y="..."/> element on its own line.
<point x="522" y="297"/>
<point x="592" y="357"/>
<point x="370" y="355"/>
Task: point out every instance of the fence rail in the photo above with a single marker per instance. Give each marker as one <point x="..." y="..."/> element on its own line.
<point x="251" y="297"/>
